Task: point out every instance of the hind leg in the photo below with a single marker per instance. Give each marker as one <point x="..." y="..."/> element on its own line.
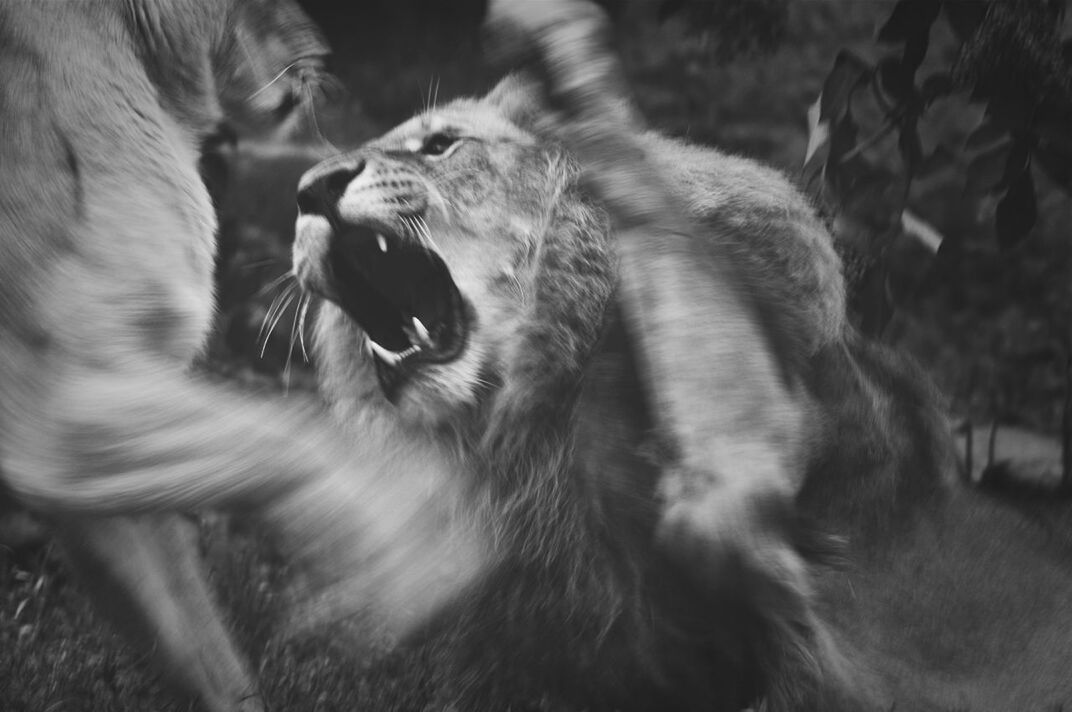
<point x="144" y="573"/>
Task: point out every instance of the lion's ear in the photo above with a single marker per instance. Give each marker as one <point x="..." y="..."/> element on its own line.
<point x="519" y="97"/>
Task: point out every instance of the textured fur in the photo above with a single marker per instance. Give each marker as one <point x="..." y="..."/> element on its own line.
<point x="921" y="612"/>
<point x="106" y="254"/>
<point x="546" y="417"/>
<point x="549" y="422"/>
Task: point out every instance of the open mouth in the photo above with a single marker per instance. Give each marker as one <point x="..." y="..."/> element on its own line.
<point x="402" y="296"/>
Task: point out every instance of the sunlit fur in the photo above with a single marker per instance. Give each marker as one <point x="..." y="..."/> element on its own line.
<point x="588" y="607"/>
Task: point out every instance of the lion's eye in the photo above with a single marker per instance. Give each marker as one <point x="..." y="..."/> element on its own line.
<point x="437" y="144"/>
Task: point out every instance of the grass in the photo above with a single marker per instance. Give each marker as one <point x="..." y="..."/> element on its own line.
<point x="56" y="655"/>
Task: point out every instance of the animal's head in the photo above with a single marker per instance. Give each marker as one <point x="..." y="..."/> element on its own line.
<point x="458" y="259"/>
<point x="254" y="60"/>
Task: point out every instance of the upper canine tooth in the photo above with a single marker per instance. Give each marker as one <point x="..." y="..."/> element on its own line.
<point x="382" y="242"/>
<point x="388" y="357"/>
<point x="421" y="331"/>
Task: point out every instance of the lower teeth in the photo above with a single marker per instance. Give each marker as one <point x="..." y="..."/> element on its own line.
<point x="392" y="358"/>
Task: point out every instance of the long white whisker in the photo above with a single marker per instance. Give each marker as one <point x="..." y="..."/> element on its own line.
<point x="273" y="80"/>
<point x="275" y="322"/>
<point x="286" y="291"/>
<point x="422" y="227"/>
<point x="290" y="347"/>
<point x="425" y="232"/>
<point x="436" y="198"/>
<point x="421" y="97"/>
<point x="260" y="263"/>
<point x="273" y="284"/>
<point x="268" y="315"/>
<point x="301" y="325"/>
<point x="277" y="307"/>
<point x="310" y="107"/>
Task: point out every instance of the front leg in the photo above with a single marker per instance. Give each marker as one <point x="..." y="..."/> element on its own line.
<point x="145" y="574"/>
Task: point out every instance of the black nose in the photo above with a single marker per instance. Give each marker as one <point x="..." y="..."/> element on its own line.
<point x="321" y="187"/>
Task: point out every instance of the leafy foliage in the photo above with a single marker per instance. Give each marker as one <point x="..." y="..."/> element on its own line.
<point x="1010" y="60"/>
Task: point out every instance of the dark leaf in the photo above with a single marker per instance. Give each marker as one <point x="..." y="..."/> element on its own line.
<point x="964" y="16"/>
<point x="849" y="174"/>
<point x="910" y="145"/>
<point x="939" y="159"/>
<point x="1016" y="212"/>
<point x="986" y="169"/>
<point x="818" y="135"/>
<point x="1019" y="155"/>
<point x="1058" y="133"/>
<point x="843" y="136"/>
<point x="873" y="301"/>
<point x="985" y="134"/>
<point x="896" y="79"/>
<point x="909" y="19"/>
<point x="1056" y="163"/>
<point x="915" y="50"/>
<point x="1007" y="107"/>
<point x="870" y="196"/>
<point x="937" y="85"/>
<point x="849" y="72"/>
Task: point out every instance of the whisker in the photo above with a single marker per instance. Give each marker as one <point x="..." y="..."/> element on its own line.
<point x="274" y="284"/>
<point x="301" y="325"/>
<point x="421" y="100"/>
<point x="425" y="232"/>
<point x="270" y="313"/>
<point x="422" y="227"/>
<point x="260" y="263"/>
<point x="275" y="323"/>
<point x="437" y="199"/>
<point x="273" y="80"/>
<point x="435" y="97"/>
<point x="288" y="298"/>
<point x="287" y="291"/>
<point x="310" y="108"/>
<point x="290" y="348"/>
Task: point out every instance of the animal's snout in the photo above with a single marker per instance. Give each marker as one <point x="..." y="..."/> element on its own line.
<point x="320" y="189"/>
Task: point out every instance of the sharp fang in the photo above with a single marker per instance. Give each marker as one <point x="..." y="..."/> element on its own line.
<point x="392" y="358"/>
<point x="382" y="242"/>
<point x="388" y="357"/>
<point x="423" y="337"/>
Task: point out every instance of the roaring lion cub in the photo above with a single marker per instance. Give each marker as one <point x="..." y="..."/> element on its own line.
<point x="106" y="260"/>
<point x="472" y="301"/>
<point x="475" y="300"/>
